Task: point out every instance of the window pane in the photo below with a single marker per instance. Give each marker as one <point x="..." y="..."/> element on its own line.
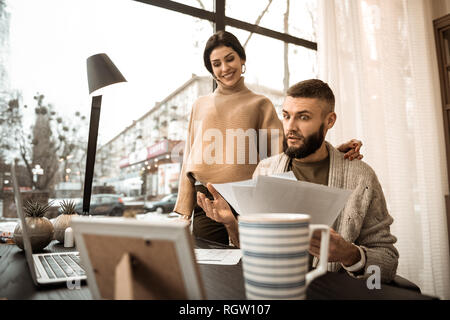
<point x="446" y="35"/>
<point x="446" y="58"/>
<point x="154" y="63"/>
<point x="302" y="15"/>
<point x="266" y="71"/>
<point x="263" y="66"/>
<point x="201" y="4"/>
<point x="302" y="64"/>
<point x="140" y="121"/>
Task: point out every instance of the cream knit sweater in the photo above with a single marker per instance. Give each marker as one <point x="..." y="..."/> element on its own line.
<point x="207" y="157"/>
<point x="364" y="220"/>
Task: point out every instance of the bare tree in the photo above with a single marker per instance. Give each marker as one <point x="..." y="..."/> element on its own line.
<point x="258" y="21"/>
<point x="313" y="19"/>
<point x="44" y="147"/>
<point x="51" y="141"/>
<point x="10" y="123"/>
<point x="200" y="2"/>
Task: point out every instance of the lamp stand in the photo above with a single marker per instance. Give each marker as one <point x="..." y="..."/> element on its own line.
<point x="92" y="148"/>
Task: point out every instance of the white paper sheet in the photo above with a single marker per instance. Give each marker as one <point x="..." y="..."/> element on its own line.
<point x="244" y="197"/>
<point x="285" y="194"/>
<point x="218" y="256"/>
<point x="287" y="175"/>
<point x="275" y="195"/>
<point x="225" y="189"/>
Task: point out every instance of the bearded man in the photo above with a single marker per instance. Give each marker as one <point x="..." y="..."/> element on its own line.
<point x="360" y="238"/>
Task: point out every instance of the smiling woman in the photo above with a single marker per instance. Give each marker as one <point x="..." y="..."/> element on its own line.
<point x="231" y="106"/>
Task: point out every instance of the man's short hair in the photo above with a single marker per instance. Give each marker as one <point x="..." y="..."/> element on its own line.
<point x="314" y="88"/>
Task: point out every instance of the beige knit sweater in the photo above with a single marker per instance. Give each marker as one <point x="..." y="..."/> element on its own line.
<point x="209" y="151"/>
<point x="364" y="220"/>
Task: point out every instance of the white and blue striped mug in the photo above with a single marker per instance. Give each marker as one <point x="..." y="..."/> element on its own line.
<point x="275" y="254"/>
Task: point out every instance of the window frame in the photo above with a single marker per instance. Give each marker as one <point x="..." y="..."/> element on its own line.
<point x="220" y="21"/>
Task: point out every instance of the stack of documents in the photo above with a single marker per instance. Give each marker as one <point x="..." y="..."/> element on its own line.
<point x="218" y="256"/>
<point x="283" y="193"/>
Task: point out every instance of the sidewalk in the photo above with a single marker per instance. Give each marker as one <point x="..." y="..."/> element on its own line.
<point x="134" y="203"/>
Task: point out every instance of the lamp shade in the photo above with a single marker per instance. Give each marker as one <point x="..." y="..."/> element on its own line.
<point x="102" y="72"/>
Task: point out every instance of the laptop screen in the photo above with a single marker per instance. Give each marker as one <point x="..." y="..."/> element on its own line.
<point x="21" y="215"/>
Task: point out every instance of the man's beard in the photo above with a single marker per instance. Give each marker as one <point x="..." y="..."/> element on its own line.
<point x="310" y="144"/>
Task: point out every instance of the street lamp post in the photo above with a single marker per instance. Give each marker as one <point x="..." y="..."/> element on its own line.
<point x="37" y="170"/>
<point x="68" y="171"/>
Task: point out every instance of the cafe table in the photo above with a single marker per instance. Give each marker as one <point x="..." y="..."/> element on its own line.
<point x="221" y="282"/>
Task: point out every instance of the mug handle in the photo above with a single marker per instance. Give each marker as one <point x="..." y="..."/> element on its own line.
<point x="323" y="260"/>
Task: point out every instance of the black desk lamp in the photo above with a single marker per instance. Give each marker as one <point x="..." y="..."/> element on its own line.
<point x="101" y="72"/>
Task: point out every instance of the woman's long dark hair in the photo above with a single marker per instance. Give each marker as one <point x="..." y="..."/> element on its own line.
<point x="221" y="38"/>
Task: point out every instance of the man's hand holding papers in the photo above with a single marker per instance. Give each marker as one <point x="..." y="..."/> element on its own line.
<point x="220" y="211"/>
<point x="285" y="194"/>
<point x="339" y="249"/>
<point x="217" y="209"/>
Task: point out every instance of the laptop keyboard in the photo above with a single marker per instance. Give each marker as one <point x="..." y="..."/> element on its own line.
<point x="62" y="266"/>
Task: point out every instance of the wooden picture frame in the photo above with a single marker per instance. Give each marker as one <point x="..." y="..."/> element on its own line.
<point x="129" y="259"/>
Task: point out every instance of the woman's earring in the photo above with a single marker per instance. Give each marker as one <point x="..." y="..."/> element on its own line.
<point x="244" y="68"/>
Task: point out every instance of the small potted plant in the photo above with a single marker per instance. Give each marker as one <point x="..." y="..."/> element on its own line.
<point x="62" y="222"/>
<point x="40" y="229"/>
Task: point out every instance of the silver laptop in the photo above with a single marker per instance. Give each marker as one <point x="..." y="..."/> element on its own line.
<point x="46" y="268"/>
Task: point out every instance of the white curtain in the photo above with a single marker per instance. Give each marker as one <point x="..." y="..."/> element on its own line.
<point x="379" y="58"/>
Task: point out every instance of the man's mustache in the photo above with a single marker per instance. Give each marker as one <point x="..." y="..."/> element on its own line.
<point x="294" y="135"/>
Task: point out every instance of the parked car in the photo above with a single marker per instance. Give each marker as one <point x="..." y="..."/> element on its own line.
<point x="166" y="204"/>
<point x="103" y="204"/>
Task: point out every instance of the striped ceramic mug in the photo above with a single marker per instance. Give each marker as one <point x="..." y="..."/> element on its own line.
<point x="275" y="254"/>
